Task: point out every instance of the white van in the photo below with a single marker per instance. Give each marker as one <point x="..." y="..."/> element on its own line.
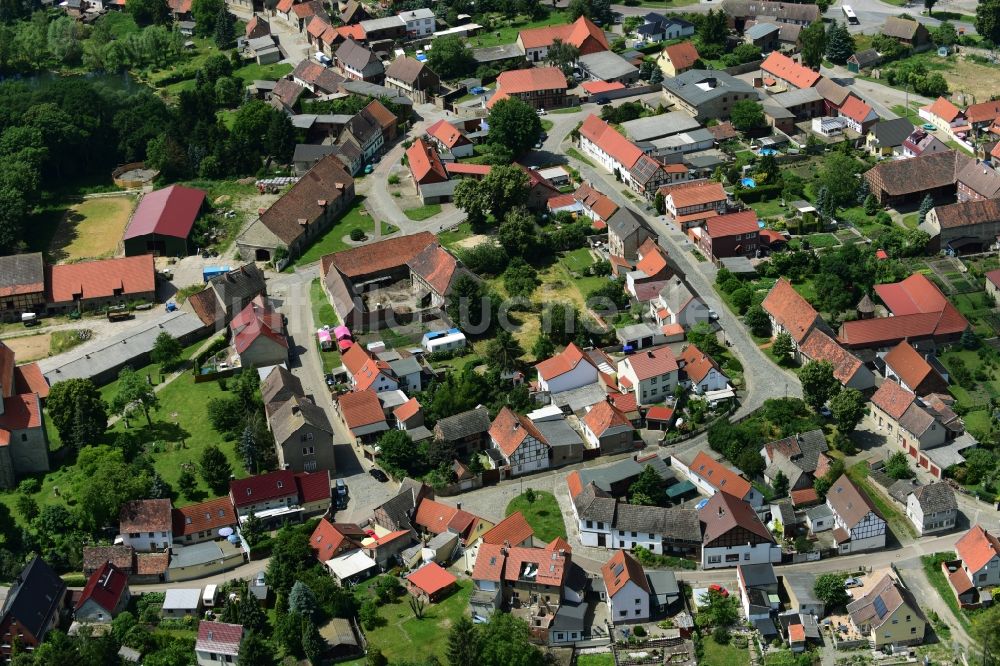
<point x="208" y="597"/>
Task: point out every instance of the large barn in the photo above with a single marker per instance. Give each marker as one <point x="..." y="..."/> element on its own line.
<point x="163" y="221"/>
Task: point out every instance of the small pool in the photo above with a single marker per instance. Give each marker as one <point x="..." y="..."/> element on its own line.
<point x="768" y="151"/>
<point x="748" y="183"/>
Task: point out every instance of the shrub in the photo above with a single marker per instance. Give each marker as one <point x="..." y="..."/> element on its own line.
<point x="639" y="631"/>
<point x="720" y="635"/>
<point x="393" y="179"/>
<point x="357" y="234"/>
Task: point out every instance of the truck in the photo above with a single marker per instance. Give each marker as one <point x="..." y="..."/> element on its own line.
<point x="210" y="272"/>
<point x="119" y="313"/>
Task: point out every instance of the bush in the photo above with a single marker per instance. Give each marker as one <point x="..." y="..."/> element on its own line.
<point x="639" y="631"/>
<point x="357" y="235"/>
<point x="720" y="635"/>
<point x="393" y="179"/>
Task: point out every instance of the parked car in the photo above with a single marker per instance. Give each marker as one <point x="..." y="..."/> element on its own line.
<point x="378" y="475"/>
<point x="601" y="101"/>
<point x="853" y="582"/>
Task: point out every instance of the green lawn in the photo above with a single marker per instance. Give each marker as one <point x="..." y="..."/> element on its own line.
<point x="152" y="369"/>
<point x="181" y="430"/>
<point x="543" y="515"/>
<point x="577" y="155"/>
<point x="723" y="655"/>
<point x="404" y="637"/>
<point x="456" y="234"/>
<point x="421" y="213"/>
<point x="819" y="241"/>
<point x="598" y="659"/>
<point x="578" y="260"/>
<point x="910" y="221"/>
<point x="323" y="314"/>
<point x="932" y="567"/>
<point x="898" y="523"/>
<point x="254" y="72"/>
<point x="568" y="109"/>
<point x="506" y="30"/>
<point x="333" y="240"/>
<point x="547" y="125"/>
<point x="772" y="208"/>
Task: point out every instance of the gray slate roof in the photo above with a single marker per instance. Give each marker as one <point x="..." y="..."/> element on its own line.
<point x="592" y="503"/>
<point x="625" y="222"/>
<point x="680" y="522"/>
<point x="465" y="424"/>
<point x="759" y="30"/>
<point x="606" y="476"/>
<point x="758" y="575"/>
<point x="34" y="597"/>
<point x="558" y="433"/>
<point x="892" y="132"/>
<point x="294" y="414"/>
<point x="22" y="270"/>
<point x="607" y="65"/>
<point x="936" y="497"/>
<point x="654" y="127"/>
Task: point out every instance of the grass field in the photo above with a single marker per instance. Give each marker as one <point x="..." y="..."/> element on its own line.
<point x="356" y="217"/>
<point x="543" y="515"/>
<point x="898" y="523"/>
<point x="597" y="659"/>
<point x="254" y="72"/>
<point x="506" y="30"/>
<point x="455" y="235"/>
<point x="323" y="314"/>
<point x="421" y="213"/>
<point x="932" y="567"/>
<point x="723" y="655"/>
<point x="569" y="109"/>
<point x="91" y="228"/>
<point x="404" y="637"/>
<point x="960" y="74"/>
<point x="577" y="155"/>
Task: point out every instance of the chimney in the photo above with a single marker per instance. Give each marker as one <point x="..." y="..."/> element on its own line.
<point x="458" y="505"/>
<point x="721" y="511"/>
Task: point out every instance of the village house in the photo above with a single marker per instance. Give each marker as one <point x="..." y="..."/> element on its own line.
<point x="303" y="436"/>
<point x="757" y="584"/>
<point x="358" y="63"/>
<point x="467" y="431"/>
<point x="569" y="369"/>
<point x="740" y="11"/>
<point x="733" y="534"/>
<point x="419" y="22"/>
<point x="859" y="527"/>
<point x="89" y="285"/>
<point x="932" y="508"/>
<point x="658" y="28"/>
<point x="977" y="569"/>
<point x="706" y="94"/>
<point x="605" y="427"/>
<point x="520" y="447"/>
<point x="677" y="58"/>
<point x="801" y="458"/>
<point x="712" y="477"/>
<point x="227" y="294"/>
<point x="894" y="182"/>
<point x="362" y="413"/>
<point x="31" y="608"/>
<point x="218" y="642"/>
<point x="650" y="374"/>
<point x="887" y="614"/>
<point x="105" y="595"/>
<point x="616" y="154"/>
<point x="676" y="308"/>
<point x="908" y="367"/>
<point x="692" y="203"/>
<point x="847" y="368"/>
<point x="789" y="312"/>
<point x="699" y="372"/>
<point x="330" y="540"/>
<point x="197" y="523"/>
<point x="732" y="235"/>
<point x="970" y="226"/>
<point x="281" y="495"/>
<point x="859" y="116"/>
<point x="146" y="525"/>
<point x="908" y="32"/>
<point x="412" y="78"/>
<point x="316" y="78"/>
<point x="887" y="136"/>
<point x="625" y="589"/>
<point x="162" y="222"/>
<point x="980" y="116"/>
<point x="258" y="335"/>
<point x="22" y="285"/>
<point x="788" y="72"/>
<point x="582" y="34"/>
<point x="302" y="213"/>
<point x="449" y="138"/>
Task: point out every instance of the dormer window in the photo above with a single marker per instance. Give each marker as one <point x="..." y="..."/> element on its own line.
<point x="249" y="492"/>
<point x="281" y="484"/>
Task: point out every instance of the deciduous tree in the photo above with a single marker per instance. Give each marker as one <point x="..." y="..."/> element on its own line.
<point x="747" y="115"/>
<point x="134" y="391"/>
<point x="166" y="351"/>
<point x="215" y="468"/>
<point x="813" y="39"/>
<point x="78" y="412"/>
<point x="829" y="588"/>
<point x="848" y="408"/>
<point x="818" y="383"/>
<point x="514" y="124"/>
<point x="451" y="58"/>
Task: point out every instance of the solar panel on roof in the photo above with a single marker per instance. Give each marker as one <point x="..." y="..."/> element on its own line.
<point x="880" y="608"/>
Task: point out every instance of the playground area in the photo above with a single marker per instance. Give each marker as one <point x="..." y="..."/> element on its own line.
<point x="91" y="228"/>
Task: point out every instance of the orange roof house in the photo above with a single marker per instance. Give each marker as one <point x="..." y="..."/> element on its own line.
<point x="847" y="368"/>
<point x="571" y="368"/>
<point x="582" y="34"/>
<point x="430" y="581"/>
<point x="448" y="135"/>
<point x="520" y="82"/>
<point x="125" y="278"/>
<point x="944" y="110"/>
<point x="913" y="371"/>
<point x="789" y="311"/>
<point x="513" y="530"/>
<point x="976" y="549"/>
<point x="425" y="163"/>
<point x="712" y="476"/>
<point x="785" y="69"/>
<point x="678" y="58"/>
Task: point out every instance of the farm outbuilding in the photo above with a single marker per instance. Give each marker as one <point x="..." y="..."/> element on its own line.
<point x="163" y="221"/>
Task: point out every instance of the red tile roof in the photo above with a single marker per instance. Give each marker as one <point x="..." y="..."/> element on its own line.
<point x="550" y="568"/>
<point x="431" y="578"/>
<point x="407" y="410"/>
<point x="219" y="637"/>
<point x="447" y="134"/>
<point x="610" y="141"/>
<point x="818" y="346"/>
<point x="597" y="87"/>
<point x="149" y="515"/>
<point x="694" y="193"/>
<point x="520" y="81"/>
<point x="724" y="512"/>
<point x="600" y="204"/>
<point x="28" y="378"/>
<point x="425" y="163"/>
<point x="509" y="430"/>
<point x="626" y="402"/>
<point x="977" y="547"/>
<point x="574" y="483"/>
<point x="104" y="587"/>
<point x="262" y="487"/>
<point x="804" y="497"/>
<point x="211" y="516"/>
<point x="102" y="278"/>
<point x="908" y="364"/>
<point x="719" y="476"/>
<point x="21" y="412"/>
<point x="490" y="562"/>
<point x="559" y="544"/>
<point x="327" y="541"/>
<point x="696" y="363"/>
<point x="654" y="260"/>
<point x="621" y="569"/>
<point x="783" y="67"/>
<point x="565" y="200"/>
<point x="167" y="212"/>
<point x="604" y="416"/>
<point x="855" y="109"/>
<point x="258" y="319"/>
<point x="361" y="408"/>
<point x="893" y="399"/>
<point x="514" y="529"/>
<point x="377" y="257"/>
<point x="796" y="633"/>
<point x="649" y="363"/>
<point x="944" y="110"/>
<point x="467" y="169"/>
<point x="983" y="112"/>
<point x="682" y="56"/>
<point x="659" y="413"/>
<point x="313" y="486"/>
<point x="914" y="294"/>
<point x="566" y="360"/>
<point x="744" y="222"/>
<point x="582" y="34"/>
<point x="790" y="310"/>
<point x="434" y="516"/>
<point x="994" y="275"/>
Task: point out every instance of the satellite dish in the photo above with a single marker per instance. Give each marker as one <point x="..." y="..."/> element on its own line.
<point x="226" y="532"/>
